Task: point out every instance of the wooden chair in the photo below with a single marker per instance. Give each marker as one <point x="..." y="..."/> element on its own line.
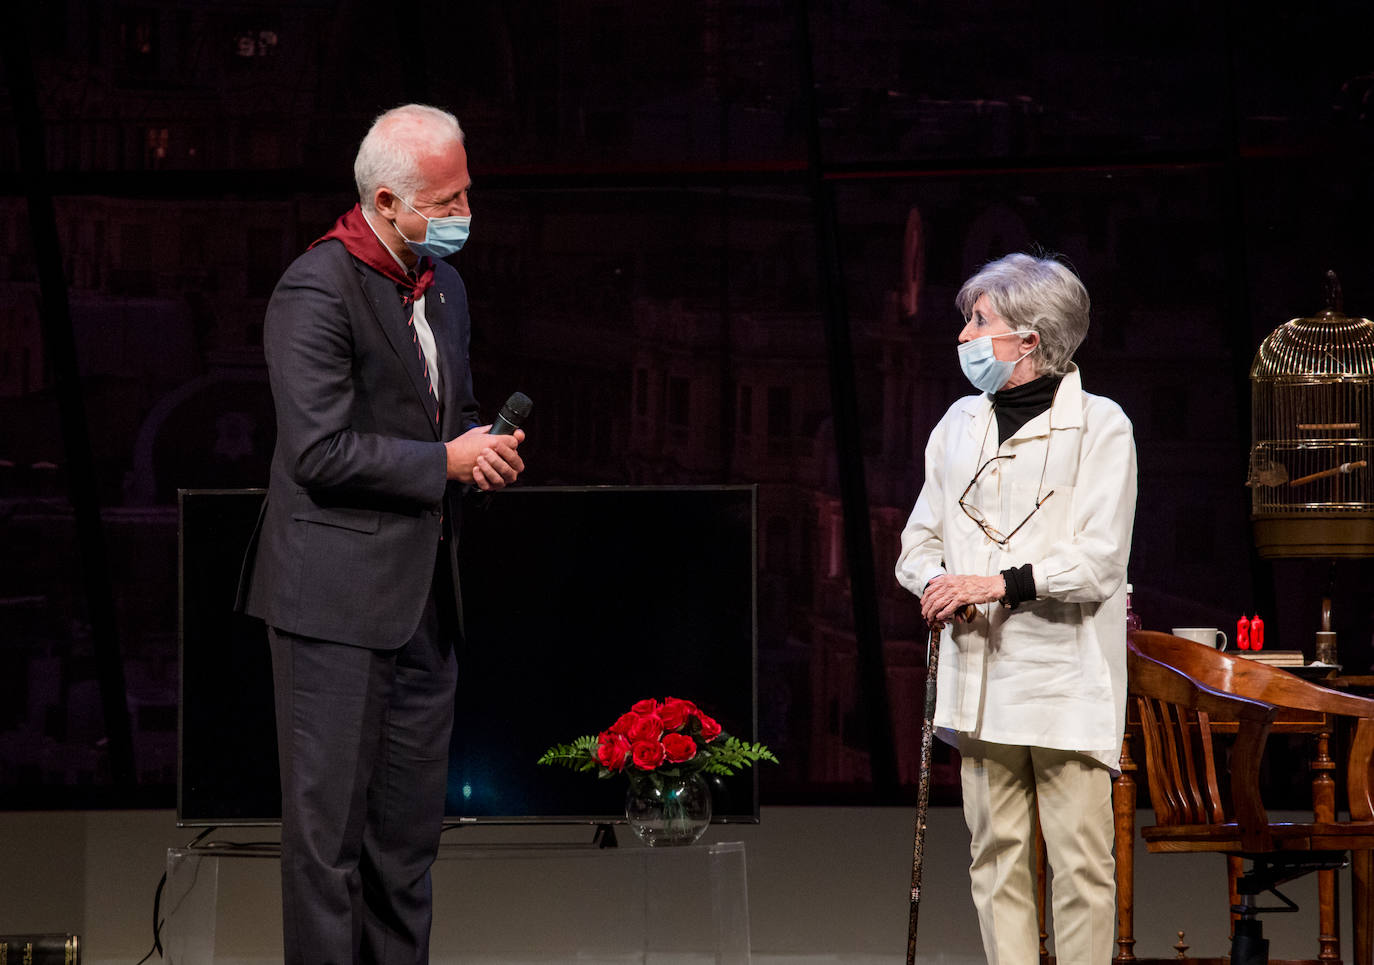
<point x="1184" y="695"/>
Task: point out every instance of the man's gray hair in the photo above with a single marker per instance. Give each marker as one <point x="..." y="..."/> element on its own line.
<point x="395" y="144"/>
<point x="1040" y="294"/>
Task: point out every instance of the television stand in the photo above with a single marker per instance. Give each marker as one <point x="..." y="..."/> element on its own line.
<point x="499" y="906"/>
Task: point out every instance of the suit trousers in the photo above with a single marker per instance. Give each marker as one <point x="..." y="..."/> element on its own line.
<point x="363" y="738"/>
<point x="1005" y="787"/>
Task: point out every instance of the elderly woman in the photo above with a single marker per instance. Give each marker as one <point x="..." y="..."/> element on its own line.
<point x="1020" y="538"/>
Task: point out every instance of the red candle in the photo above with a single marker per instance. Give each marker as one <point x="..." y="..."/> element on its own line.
<point x="1243" y="633"/>
<point x="1257" y="633"/>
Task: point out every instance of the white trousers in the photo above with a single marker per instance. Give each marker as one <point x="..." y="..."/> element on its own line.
<point x="1002" y="785"/>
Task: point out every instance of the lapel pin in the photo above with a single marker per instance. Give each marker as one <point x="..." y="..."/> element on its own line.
<point x="441" y="298"/>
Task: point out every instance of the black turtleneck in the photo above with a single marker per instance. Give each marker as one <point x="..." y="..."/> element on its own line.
<point x="1015" y="407"/>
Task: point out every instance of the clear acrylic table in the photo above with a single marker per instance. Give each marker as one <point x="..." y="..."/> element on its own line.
<point x="517" y="904"/>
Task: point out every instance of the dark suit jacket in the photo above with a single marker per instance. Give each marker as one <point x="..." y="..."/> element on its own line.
<point x="357" y="498"/>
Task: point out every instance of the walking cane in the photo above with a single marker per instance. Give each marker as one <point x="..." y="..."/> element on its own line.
<point x="918" y="851"/>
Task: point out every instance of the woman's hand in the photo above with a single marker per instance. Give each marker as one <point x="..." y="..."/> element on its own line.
<point x="947" y="595"/>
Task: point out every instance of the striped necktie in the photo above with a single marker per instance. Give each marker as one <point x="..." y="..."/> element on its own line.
<point x="418" y="284"/>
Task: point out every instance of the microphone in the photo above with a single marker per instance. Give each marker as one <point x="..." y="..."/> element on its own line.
<point x="512" y="415"/>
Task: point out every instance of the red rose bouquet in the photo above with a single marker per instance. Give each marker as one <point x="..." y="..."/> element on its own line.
<point x="669" y="738"/>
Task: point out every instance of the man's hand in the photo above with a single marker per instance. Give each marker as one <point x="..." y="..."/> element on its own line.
<point x="947" y="595"/>
<point x="488" y="462"/>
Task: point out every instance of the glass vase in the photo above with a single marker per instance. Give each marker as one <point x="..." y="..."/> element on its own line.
<point x="664" y="811"/>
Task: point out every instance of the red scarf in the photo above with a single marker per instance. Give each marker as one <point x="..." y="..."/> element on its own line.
<point x="362" y="243"/>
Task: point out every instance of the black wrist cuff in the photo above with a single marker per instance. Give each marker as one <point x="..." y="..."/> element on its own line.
<point x="1020" y="582"/>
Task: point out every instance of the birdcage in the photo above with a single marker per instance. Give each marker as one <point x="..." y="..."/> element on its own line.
<point x="1312" y="462"/>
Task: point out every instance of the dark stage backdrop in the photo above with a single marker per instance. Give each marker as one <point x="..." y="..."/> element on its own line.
<point x="654" y="187"/>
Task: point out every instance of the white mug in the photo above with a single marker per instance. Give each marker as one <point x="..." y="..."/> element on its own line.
<point x="1207" y="636"/>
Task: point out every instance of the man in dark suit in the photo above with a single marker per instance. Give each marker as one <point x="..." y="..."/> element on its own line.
<point x="354" y="567"/>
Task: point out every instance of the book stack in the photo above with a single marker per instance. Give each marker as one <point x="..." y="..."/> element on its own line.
<point x="1275" y="658"/>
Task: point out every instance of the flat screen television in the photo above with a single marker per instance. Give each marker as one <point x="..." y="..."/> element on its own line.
<point x="577" y="602"/>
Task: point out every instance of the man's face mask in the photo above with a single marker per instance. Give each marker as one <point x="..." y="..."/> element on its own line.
<point x="443" y="236"/>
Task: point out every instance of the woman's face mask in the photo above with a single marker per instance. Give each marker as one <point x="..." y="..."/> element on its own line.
<point x="982" y="367"/>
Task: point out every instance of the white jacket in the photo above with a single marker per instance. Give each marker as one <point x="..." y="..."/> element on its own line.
<point x="1051" y="673"/>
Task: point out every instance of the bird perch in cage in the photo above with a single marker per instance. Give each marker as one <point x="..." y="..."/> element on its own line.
<point x="1344" y="468"/>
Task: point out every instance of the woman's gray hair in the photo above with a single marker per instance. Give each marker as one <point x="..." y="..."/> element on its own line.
<point x="1040" y="294"/>
<point x="395" y="144"/>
